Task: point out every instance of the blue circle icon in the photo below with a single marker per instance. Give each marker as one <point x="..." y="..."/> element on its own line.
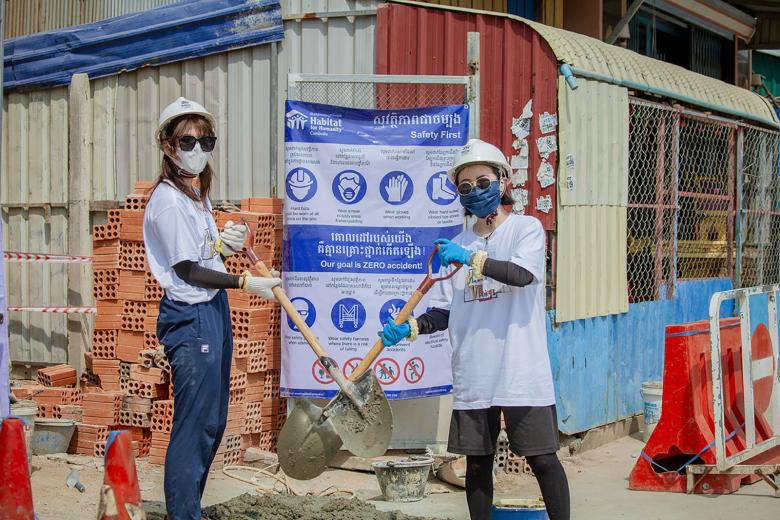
<point x="301" y="184"/>
<point x="307" y="311"/>
<point x="349" y="187"/>
<point x="396" y="188"/>
<point x="390" y="310"/>
<point x="440" y="190"/>
<point x="348" y="315"/>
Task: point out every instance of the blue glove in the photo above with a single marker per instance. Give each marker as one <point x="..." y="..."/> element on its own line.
<point x="393" y="333"/>
<point x="451" y="252"/>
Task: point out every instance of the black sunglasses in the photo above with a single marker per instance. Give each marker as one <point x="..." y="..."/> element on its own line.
<point x="483" y="183"/>
<point x="187" y="143"/>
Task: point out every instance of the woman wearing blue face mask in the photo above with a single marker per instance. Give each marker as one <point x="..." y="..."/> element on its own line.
<point x="494" y="310"/>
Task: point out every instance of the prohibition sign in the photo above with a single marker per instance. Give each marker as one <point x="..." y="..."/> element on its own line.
<point x="414" y="370"/>
<point x="350" y="366"/>
<point x="320" y="374"/>
<point x="387" y="371"/>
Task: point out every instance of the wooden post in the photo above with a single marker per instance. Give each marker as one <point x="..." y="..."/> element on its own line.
<point x="79" y="195"/>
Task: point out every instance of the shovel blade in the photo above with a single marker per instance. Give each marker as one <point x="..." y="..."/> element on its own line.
<point x="367" y="434"/>
<point x="306" y="442"/>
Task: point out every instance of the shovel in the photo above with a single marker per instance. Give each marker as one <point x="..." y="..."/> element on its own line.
<point x="307" y="441"/>
<point x="366" y="432"/>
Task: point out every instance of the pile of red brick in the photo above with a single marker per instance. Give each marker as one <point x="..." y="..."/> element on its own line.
<point x="127" y="381"/>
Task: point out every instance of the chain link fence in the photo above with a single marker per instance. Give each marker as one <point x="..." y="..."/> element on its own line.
<point x="388" y="96"/>
<point x="682" y="196"/>
<point x="651" y="212"/>
<point x="760" y="215"/>
<point x="705" y="223"/>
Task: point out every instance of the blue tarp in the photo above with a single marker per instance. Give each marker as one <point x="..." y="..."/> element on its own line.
<point x="166" y="34"/>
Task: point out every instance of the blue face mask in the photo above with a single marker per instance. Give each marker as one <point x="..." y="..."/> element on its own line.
<point x="482" y="202"/>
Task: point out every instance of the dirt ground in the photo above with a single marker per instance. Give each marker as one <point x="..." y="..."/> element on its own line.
<point x="598" y="481"/>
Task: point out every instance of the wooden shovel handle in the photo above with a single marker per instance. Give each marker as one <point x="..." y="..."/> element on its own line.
<point x="378" y="347"/>
<point x="292" y="312"/>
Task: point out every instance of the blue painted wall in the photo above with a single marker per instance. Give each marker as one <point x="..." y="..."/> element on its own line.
<point x="599" y="364"/>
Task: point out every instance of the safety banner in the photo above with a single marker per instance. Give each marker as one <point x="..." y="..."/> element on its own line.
<point x="366" y="196"/>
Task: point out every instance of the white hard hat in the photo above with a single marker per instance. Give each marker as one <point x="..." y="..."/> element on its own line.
<point x="478" y="152"/>
<point x="180" y="107"/>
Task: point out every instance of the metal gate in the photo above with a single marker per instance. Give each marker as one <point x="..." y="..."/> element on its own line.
<point x="758" y="399"/>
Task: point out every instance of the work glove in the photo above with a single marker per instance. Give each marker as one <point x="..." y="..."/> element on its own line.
<point x="451" y="252"/>
<point x="232" y="238"/>
<point x="392" y="334"/>
<point x="261" y="285"/>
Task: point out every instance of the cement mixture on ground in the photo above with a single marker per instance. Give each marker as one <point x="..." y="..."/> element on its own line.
<point x="287" y="507"/>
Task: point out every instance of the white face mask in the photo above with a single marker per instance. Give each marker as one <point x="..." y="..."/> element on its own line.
<point x="192" y="162"/>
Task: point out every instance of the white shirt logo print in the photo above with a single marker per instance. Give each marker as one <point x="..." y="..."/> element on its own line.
<point x="482" y="289"/>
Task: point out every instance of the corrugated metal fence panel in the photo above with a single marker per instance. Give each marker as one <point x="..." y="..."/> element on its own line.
<point x="35" y="172"/>
<point x="237" y="88"/>
<point x="27" y="16"/>
<point x="591" y="256"/>
<point x="334" y="45"/>
<point x="234" y="86"/>
<point x="593" y="130"/>
<point x="591" y="262"/>
<point x="516" y="66"/>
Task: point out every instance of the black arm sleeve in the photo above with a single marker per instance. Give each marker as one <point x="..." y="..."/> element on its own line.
<point x="198" y="276"/>
<point x="507" y="272"/>
<point x="433" y="321"/>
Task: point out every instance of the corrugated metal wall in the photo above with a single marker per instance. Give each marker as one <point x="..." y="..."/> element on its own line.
<point x="334" y="45"/>
<point x="234" y="86"/>
<point x="516" y="66"/>
<point x="593" y="196"/>
<point x="242" y="88"/>
<point x="34" y="175"/>
<point x="30" y="16"/>
<point x="237" y="88"/>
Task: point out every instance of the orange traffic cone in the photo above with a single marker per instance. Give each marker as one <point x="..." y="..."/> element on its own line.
<point x="15" y="492"/>
<point x="120" y="497"/>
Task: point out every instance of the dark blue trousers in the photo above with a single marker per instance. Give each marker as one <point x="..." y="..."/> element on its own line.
<point x="198" y="342"/>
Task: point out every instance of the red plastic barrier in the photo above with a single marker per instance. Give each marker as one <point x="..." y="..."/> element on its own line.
<point x="15" y="491"/>
<point x="685" y="431"/>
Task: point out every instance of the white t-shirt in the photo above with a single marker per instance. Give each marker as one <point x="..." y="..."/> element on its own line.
<point x="498" y="332"/>
<point x="176" y="228"/>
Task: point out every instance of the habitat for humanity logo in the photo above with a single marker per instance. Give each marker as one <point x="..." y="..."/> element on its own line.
<point x="296" y="120"/>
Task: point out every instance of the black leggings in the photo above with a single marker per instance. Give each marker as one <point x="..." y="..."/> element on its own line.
<point x="549" y="473"/>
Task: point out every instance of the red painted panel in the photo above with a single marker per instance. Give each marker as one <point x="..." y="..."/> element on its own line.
<point x="516" y="64"/>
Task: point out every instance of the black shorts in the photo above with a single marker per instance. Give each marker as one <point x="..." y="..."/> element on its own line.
<point x="532" y="430"/>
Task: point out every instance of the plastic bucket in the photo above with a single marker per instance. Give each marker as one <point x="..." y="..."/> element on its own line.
<point x="519" y="508"/>
<point x="652" y="391"/>
<point x="403" y="480"/>
<point x="26" y="411"/>
<point x="52" y="435"/>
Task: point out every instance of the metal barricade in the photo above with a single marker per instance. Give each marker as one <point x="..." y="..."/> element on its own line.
<point x="757" y="367"/>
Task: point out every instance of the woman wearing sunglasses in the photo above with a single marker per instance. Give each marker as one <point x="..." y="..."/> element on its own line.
<point x="494" y="310"/>
<point x="186" y="254"/>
